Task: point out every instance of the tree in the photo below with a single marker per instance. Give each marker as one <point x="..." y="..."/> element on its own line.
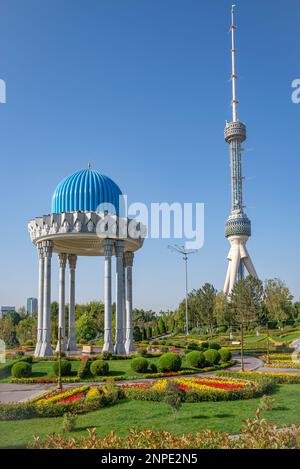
<point x="137" y="335"/>
<point x="278" y="300"/>
<point x="245" y="304"/>
<point x="161" y="326"/>
<point x="246" y="300"/>
<point x="8" y="332"/>
<point x="26" y="330"/>
<point x="221" y="309"/>
<point x="206" y="305"/>
<point x="13" y="317"/>
<point x="85" y="328"/>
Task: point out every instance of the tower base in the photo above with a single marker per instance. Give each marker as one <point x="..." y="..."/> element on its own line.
<point x="238" y="257"/>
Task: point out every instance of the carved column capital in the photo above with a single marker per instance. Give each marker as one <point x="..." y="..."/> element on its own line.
<point x="72" y="258"/>
<point x="128" y="258"/>
<point x="108" y="247"/>
<point x="119" y="247"/>
<point x="47" y="248"/>
<point x="62" y="260"/>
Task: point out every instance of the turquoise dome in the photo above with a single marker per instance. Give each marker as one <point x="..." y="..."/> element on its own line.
<point x="85" y="190"/>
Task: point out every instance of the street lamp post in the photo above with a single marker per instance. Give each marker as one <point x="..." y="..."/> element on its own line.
<point x="185" y="253"/>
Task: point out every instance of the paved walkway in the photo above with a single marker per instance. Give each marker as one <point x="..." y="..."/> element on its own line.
<point x="11" y="392"/>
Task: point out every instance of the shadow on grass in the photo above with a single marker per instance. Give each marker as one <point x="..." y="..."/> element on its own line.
<point x="116" y="373"/>
<point x="223" y="416"/>
<point x="280" y="408"/>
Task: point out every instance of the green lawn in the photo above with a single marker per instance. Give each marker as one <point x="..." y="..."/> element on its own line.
<point x="117" y="368"/>
<point x="223" y="416"/>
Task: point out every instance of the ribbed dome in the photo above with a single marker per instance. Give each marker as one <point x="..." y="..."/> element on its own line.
<point x="85" y="190"/>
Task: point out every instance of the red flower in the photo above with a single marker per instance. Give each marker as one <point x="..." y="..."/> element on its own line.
<point x="71" y="398"/>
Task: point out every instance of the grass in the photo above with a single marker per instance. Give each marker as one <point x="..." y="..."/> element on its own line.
<point x="222" y="416"/>
<point x="117" y="368"/>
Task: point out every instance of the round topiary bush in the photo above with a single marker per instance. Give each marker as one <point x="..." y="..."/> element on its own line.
<point x="21" y="370"/>
<point x="99" y="368"/>
<point x="192" y="346"/>
<point x="153" y="367"/>
<point x="214" y="346"/>
<point x="196" y="359"/>
<point x="139" y="365"/>
<point x="169" y="362"/>
<point x="225" y="354"/>
<point x="65" y="367"/>
<point x="204" y="344"/>
<point x="212" y="357"/>
<point x="142" y="352"/>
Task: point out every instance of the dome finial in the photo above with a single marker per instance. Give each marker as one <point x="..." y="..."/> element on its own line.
<point x="89" y="165"/>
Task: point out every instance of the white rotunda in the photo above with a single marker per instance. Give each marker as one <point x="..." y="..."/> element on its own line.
<point x="86" y="220"/>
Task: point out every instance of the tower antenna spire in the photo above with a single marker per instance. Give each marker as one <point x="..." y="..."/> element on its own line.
<point x="234" y="75"/>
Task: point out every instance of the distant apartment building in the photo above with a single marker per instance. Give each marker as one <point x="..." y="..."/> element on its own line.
<point x="6" y="309"/>
<point x="32" y="305"/>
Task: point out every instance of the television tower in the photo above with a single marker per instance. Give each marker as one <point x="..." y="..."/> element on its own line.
<point x="238" y="226"/>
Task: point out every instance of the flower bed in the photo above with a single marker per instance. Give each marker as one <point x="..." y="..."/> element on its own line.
<point x="55" y="403"/>
<point x="59" y="397"/>
<point x="281" y="360"/>
<point x="198" y="389"/>
<point x="271" y="377"/>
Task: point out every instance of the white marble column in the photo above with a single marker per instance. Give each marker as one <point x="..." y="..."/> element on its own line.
<point x="72" y="258"/>
<point x="119" y="348"/>
<point x="124" y="300"/>
<point x="62" y="300"/>
<point x="39" y="338"/>
<point x="46" y="349"/>
<point x="129" y="345"/>
<point x="108" y="343"/>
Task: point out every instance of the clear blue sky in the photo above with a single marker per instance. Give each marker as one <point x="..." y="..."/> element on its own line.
<point x="141" y="88"/>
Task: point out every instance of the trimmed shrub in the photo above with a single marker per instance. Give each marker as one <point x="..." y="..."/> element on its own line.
<point x="164" y="349"/>
<point x="196" y="359"/>
<point x="225" y="354"/>
<point x="65" y="367"/>
<point x="142" y="352"/>
<point x="69" y="422"/>
<point x="99" y="368"/>
<point x="139" y="365"/>
<point x="169" y="362"/>
<point x="21" y="370"/>
<point x="214" y="346"/>
<point x="29" y="343"/>
<point x="19" y="354"/>
<point x="84" y="368"/>
<point x="106" y="355"/>
<point x="153" y="367"/>
<point x="205" y="345"/>
<point x="212" y="357"/>
<point x="192" y="346"/>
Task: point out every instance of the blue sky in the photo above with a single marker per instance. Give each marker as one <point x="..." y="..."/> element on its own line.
<point x="141" y="89"/>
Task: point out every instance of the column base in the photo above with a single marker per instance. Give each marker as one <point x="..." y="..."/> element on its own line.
<point x="129" y="346"/>
<point x="45" y="350"/>
<point x="37" y="349"/>
<point x="71" y="346"/>
<point x="62" y="346"/>
<point x="119" y="349"/>
<point x="108" y="347"/>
